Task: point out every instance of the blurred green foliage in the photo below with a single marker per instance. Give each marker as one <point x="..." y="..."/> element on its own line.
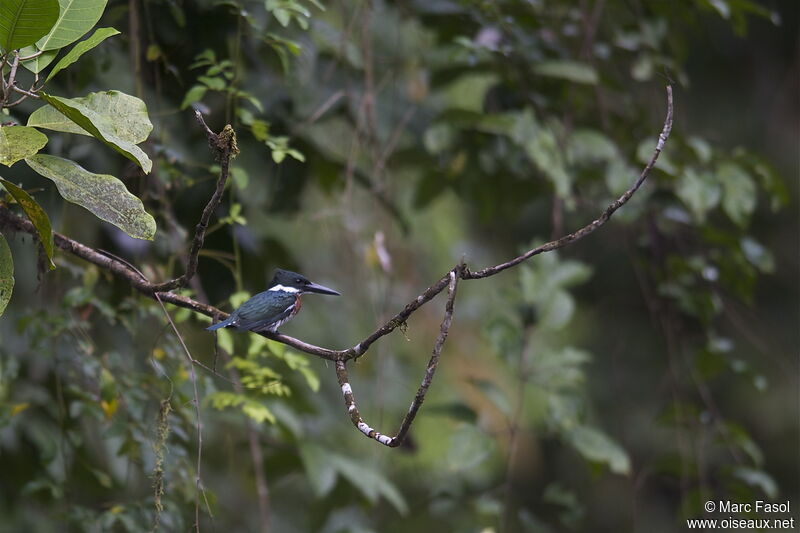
<point x="614" y="386"/>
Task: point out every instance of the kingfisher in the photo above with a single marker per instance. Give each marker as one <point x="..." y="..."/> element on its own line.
<point x="269" y="310"/>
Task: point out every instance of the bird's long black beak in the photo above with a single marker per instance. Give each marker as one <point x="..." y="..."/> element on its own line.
<point x="319" y="289"/>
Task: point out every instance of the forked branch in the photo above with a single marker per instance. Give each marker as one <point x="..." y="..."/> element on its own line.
<point x="347" y="390"/>
<point x="224" y="147"/>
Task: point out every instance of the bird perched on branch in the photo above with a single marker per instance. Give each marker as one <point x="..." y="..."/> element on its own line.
<point x="269" y="310"/>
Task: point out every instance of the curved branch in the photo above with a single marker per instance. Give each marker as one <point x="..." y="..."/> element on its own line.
<point x="7" y="218"/>
<point x="224" y="146"/>
<point x="599" y="221"/>
<point x="347" y="391"/>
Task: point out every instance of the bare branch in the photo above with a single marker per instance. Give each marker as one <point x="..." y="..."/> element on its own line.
<point x="8" y="219"/>
<point x="17" y="101"/>
<point x="602" y="219"/>
<point x="224" y="148"/>
<point x="347" y="390"/>
<point x="19" y="90"/>
<point x="32" y="56"/>
<point x="12" y="75"/>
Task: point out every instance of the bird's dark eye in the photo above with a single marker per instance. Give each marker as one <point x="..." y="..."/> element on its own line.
<point x="299" y="280"/>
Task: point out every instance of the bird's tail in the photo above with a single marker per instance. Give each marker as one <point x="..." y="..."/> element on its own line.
<point x="223" y="324"/>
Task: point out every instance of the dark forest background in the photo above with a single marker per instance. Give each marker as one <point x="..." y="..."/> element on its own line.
<point x="615" y="385"/>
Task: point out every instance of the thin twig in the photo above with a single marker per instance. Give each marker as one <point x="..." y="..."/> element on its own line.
<point x="198" y="426"/>
<point x="224" y="148"/>
<point x="17" y="102"/>
<point x="321" y="110"/>
<point x="12" y="75"/>
<point x="32" y="56"/>
<point x="602" y="219"/>
<point x="193" y="377"/>
<point x="16" y="89"/>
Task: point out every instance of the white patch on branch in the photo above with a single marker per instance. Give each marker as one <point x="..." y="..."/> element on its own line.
<point x="662" y="139"/>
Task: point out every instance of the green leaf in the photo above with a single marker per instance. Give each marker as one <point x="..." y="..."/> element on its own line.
<point x="495" y="394"/>
<point x="699" y="191"/>
<point x="103" y="127"/>
<point x="319" y="469"/>
<point x="369" y="481"/>
<point x="556" y="370"/>
<point x="253" y="408"/>
<point x="701" y="148"/>
<point x="22" y="22"/>
<point x="38" y="63"/>
<point x="81" y="48"/>
<point x="225" y="340"/>
<point x="619" y="176"/>
<point x="195" y="94"/>
<point x="596" y="446"/>
<point x="438" y="138"/>
<point x="455" y="410"/>
<point x="76" y="18"/>
<point x="215" y="84"/>
<point x="36" y="215"/>
<point x="6" y="274"/>
<point x="758" y="255"/>
<point x="19" y="142"/>
<point x="469" y="447"/>
<point x="468" y="91"/>
<point x="757" y="478"/>
<point x="557" y="312"/>
<point x="541" y="144"/>
<point x="103" y="195"/>
<point x="587" y="146"/>
<point x="739" y="192"/>
<point x="322" y="466"/>
<point x="567" y="70"/>
<point x="127" y="116"/>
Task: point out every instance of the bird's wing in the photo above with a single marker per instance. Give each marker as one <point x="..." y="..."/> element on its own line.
<point x="263" y="309"/>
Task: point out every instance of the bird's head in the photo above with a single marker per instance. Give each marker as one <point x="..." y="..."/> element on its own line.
<point x="289" y="281"/>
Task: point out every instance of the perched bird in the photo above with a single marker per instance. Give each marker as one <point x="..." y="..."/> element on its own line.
<point x="269" y="310"/>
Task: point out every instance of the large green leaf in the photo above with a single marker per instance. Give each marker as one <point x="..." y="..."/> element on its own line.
<point x="106" y="127"/>
<point x="739" y="198"/>
<point x="699" y="191"/>
<point x="81" y="48"/>
<point x="6" y="274"/>
<point x="541" y="144"/>
<point x="76" y="18"/>
<point x="369" y="481"/>
<point x="36" y="215"/>
<point x="127" y="116"/>
<point x="103" y="195"/>
<point x="469" y="91"/>
<point x="567" y="70"/>
<point x="596" y="446"/>
<point x="38" y="63"/>
<point x="320" y="471"/>
<point x="24" y="21"/>
<point x="19" y="142"/>
<point x="323" y="466"/>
